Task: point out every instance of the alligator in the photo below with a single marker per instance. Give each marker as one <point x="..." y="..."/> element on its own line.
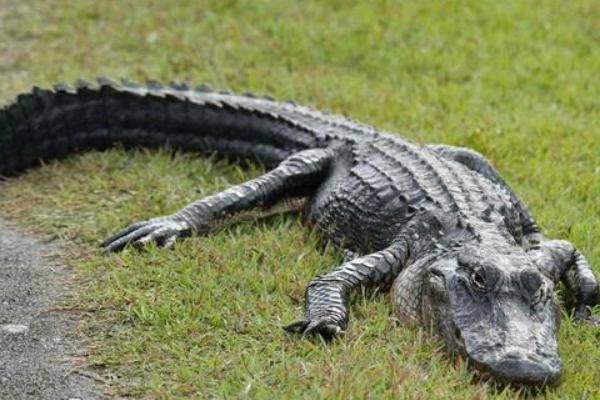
<point x="434" y="224"/>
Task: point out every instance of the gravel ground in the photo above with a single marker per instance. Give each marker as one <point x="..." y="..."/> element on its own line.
<point x="38" y="351"/>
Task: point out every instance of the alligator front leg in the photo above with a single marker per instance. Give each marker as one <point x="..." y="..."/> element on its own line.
<point x="300" y="173"/>
<point x="327" y="295"/>
<point x="563" y="262"/>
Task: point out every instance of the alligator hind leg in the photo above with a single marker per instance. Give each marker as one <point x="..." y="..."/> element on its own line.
<point x="327" y="295"/>
<point x="563" y="262"/>
<point x="274" y="191"/>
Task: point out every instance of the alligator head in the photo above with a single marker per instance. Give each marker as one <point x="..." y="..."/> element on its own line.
<point x="494" y="307"/>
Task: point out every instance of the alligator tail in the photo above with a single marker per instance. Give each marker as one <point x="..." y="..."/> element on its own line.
<point x="50" y="124"/>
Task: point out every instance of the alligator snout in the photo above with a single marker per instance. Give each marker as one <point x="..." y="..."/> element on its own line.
<point x="518" y="359"/>
<point x="525" y="371"/>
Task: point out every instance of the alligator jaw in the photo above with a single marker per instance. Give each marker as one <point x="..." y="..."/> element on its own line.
<point x="524" y="372"/>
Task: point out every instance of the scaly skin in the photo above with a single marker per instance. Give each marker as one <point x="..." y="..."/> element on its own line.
<point x="436" y="223"/>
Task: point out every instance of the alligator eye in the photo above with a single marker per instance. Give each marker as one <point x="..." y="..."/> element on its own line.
<point x="478" y="280"/>
<point x="540" y="294"/>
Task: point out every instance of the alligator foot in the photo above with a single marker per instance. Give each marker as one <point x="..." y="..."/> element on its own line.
<point x="584" y="315"/>
<point x="326" y="328"/>
<point x="592" y="320"/>
<point x="163" y="231"/>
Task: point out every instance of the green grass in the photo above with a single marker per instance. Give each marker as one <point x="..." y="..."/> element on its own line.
<point x="517" y="81"/>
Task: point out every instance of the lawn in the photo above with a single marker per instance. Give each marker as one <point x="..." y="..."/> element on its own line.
<point x="516" y="80"/>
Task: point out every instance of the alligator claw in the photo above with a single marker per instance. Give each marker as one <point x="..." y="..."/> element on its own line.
<point x="592" y="320"/>
<point x="163" y="231"/>
<point x="327" y="329"/>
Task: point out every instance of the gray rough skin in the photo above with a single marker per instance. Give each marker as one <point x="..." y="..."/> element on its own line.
<point x="436" y="223"/>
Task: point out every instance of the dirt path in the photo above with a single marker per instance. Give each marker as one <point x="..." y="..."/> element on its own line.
<point x="37" y="346"/>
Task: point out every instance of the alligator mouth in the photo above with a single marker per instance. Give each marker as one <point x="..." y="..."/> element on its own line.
<point x="523" y="374"/>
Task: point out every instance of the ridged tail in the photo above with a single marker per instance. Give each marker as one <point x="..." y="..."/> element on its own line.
<point x="50" y="124"/>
